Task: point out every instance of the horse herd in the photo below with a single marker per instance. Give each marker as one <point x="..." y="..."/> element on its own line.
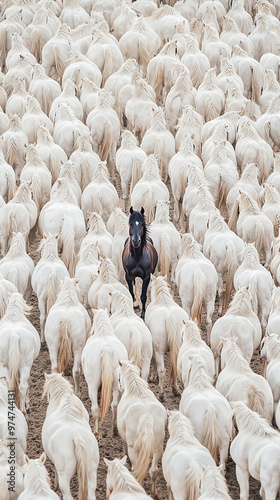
<point x="111" y="106"/>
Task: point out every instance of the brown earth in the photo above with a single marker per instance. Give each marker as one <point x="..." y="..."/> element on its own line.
<point x="109" y="446"/>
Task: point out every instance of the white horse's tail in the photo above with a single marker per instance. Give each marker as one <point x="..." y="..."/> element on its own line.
<point x="233" y="216"/>
<point x="259" y="242"/>
<point x="37" y="190"/>
<point x="199" y="287"/>
<point x="165" y="254"/>
<point x="53" y="167"/>
<point x="107" y="378"/>
<point x="135" y="173"/>
<point x="184" y="178"/>
<point x="158" y="150"/>
<point x="256" y="86"/>
<point x="3" y="48"/>
<point x="231" y="264"/>
<point x="144" y="55"/>
<point x="97" y="204"/>
<point x="144" y="446"/>
<point x="212" y="435"/>
<point x="11" y="185"/>
<point x="85" y="174"/>
<point x="51" y="291"/>
<point x="108" y="65"/>
<point x="136" y="346"/>
<point x="193" y="474"/>
<point x="223" y="192"/>
<point x="253" y="286"/>
<point x="68" y="242"/>
<point x="10" y="155"/>
<point x="148" y="203"/>
<point x="65" y="345"/>
<point x="262" y="164"/>
<point x="196" y="73"/>
<point x="13" y="276"/>
<point x="106" y="145"/>
<point x="211" y="111"/>
<point x="60" y="62"/>
<point x="36" y="44"/>
<point x="256" y="401"/>
<point x="172" y="340"/>
<point x="159" y="79"/>
<point x="14" y="365"/>
<point x="12" y="222"/>
<point x="81" y="454"/>
<point x="47" y="100"/>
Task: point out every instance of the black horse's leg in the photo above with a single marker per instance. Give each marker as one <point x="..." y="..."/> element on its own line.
<point x="130" y="286"/>
<point x="145" y="285"/>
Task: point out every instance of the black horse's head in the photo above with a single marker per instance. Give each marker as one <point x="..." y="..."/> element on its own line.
<point x="137" y="227"/>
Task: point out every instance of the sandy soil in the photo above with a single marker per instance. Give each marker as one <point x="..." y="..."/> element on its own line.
<point x="110" y="446"/>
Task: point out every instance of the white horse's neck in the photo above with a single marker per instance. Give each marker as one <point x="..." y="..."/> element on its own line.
<point x="68" y="295"/>
<point x="241" y="305"/>
<point x="233" y="358"/>
<point x="161" y="294"/>
<point x="36" y="480"/>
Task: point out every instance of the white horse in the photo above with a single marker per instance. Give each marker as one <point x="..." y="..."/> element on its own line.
<point x="36" y="480"/>
<point x="208" y="410"/>
<point x="6" y="289"/>
<point x="100" y="195"/>
<point x="150" y="189"/>
<point x="139" y="109"/>
<point x="159" y="141"/>
<point x="20" y="346"/>
<point x="85" y="161"/>
<point x="197" y="281"/>
<point x="50" y="153"/>
<point x="223" y="247"/>
<point x="121" y="484"/>
<point x="129" y="160"/>
<point x="210" y="99"/>
<point x="197" y="63"/>
<point x="105" y="128"/>
<point x="67" y="329"/>
<point x="164" y="319"/>
<point x="132" y="332"/>
<point x="256" y="452"/>
<point x="184" y="458"/>
<point x="66" y="128"/>
<point x="195" y="179"/>
<point x="97" y="233"/>
<point x="248" y="183"/>
<point x="190" y="123"/>
<point x="271" y="206"/>
<point x="166" y="240"/>
<point x="241" y="322"/>
<point x="250" y="71"/>
<point x="220" y="133"/>
<point x="271" y="352"/>
<point x="49" y="272"/>
<point x="100" y="359"/>
<point x="87" y="270"/>
<point x="13" y="144"/>
<point x="213" y="485"/>
<point x="259" y="279"/>
<point x="68" y="97"/>
<point x="120" y="235"/>
<point x="238" y="382"/>
<point x="193" y="345"/>
<point x="62" y="216"/>
<point x="201" y="212"/>
<point x="42" y="87"/>
<point x="7" y="179"/>
<point x="141" y="421"/>
<point x="159" y="70"/>
<point x="67" y="438"/>
<point x="273" y="318"/>
<point x="107" y="282"/>
<point x="33" y="118"/>
<point x="36" y="171"/>
<point x="17" y="266"/>
<point x="4" y="470"/>
<point x="252" y="224"/>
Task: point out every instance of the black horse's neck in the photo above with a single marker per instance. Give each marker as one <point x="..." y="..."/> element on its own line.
<point x="137" y="251"/>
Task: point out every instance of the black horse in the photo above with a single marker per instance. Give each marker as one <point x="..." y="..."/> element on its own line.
<point x="139" y="255"/>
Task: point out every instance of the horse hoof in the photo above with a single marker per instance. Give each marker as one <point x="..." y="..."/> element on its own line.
<point x="44" y="347"/>
<point x="176" y="394"/>
<point x="161" y="397"/>
<point x="115" y="431"/>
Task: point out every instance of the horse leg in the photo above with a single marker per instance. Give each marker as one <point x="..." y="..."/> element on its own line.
<point x="114" y="407"/>
<point x="145" y="285"/>
<point x="161" y="371"/>
<point x="130" y="287"/>
<point x="243" y="481"/>
<point x="42" y="309"/>
<point x="23" y="386"/>
<point x="64" y="484"/>
<point x="153" y="370"/>
<point x="220" y="292"/>
<point x="53" y="353"/>
<point x="210" y="307"/>
<point x="76" y="371"/>
<point x="92" y="390"/>
<point x="223" y="451"/>
<point x="154" y="471"/>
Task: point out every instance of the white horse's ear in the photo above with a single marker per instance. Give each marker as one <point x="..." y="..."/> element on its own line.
<point x="184" y="321"/>
<point x="94" y="311"/>
<point x="123" y="460"/>
<point x="132" y="360"/>
<point x="168" y="413"/>
<point x="26" y="459"/>
<point x="120" y="363"/>
<point x="43" y="457"/>
<point x="107" y="462"/>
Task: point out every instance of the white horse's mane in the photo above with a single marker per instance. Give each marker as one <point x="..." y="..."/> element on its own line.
<point x="134" y="384"/>
<point x="251" y="422"/>
<point x="123" y="481"/>
<point x="241" y="304"/>
<point x="161" y="292"/>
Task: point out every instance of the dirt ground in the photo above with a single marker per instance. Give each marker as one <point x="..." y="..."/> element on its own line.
<point x="109" y="446"/>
